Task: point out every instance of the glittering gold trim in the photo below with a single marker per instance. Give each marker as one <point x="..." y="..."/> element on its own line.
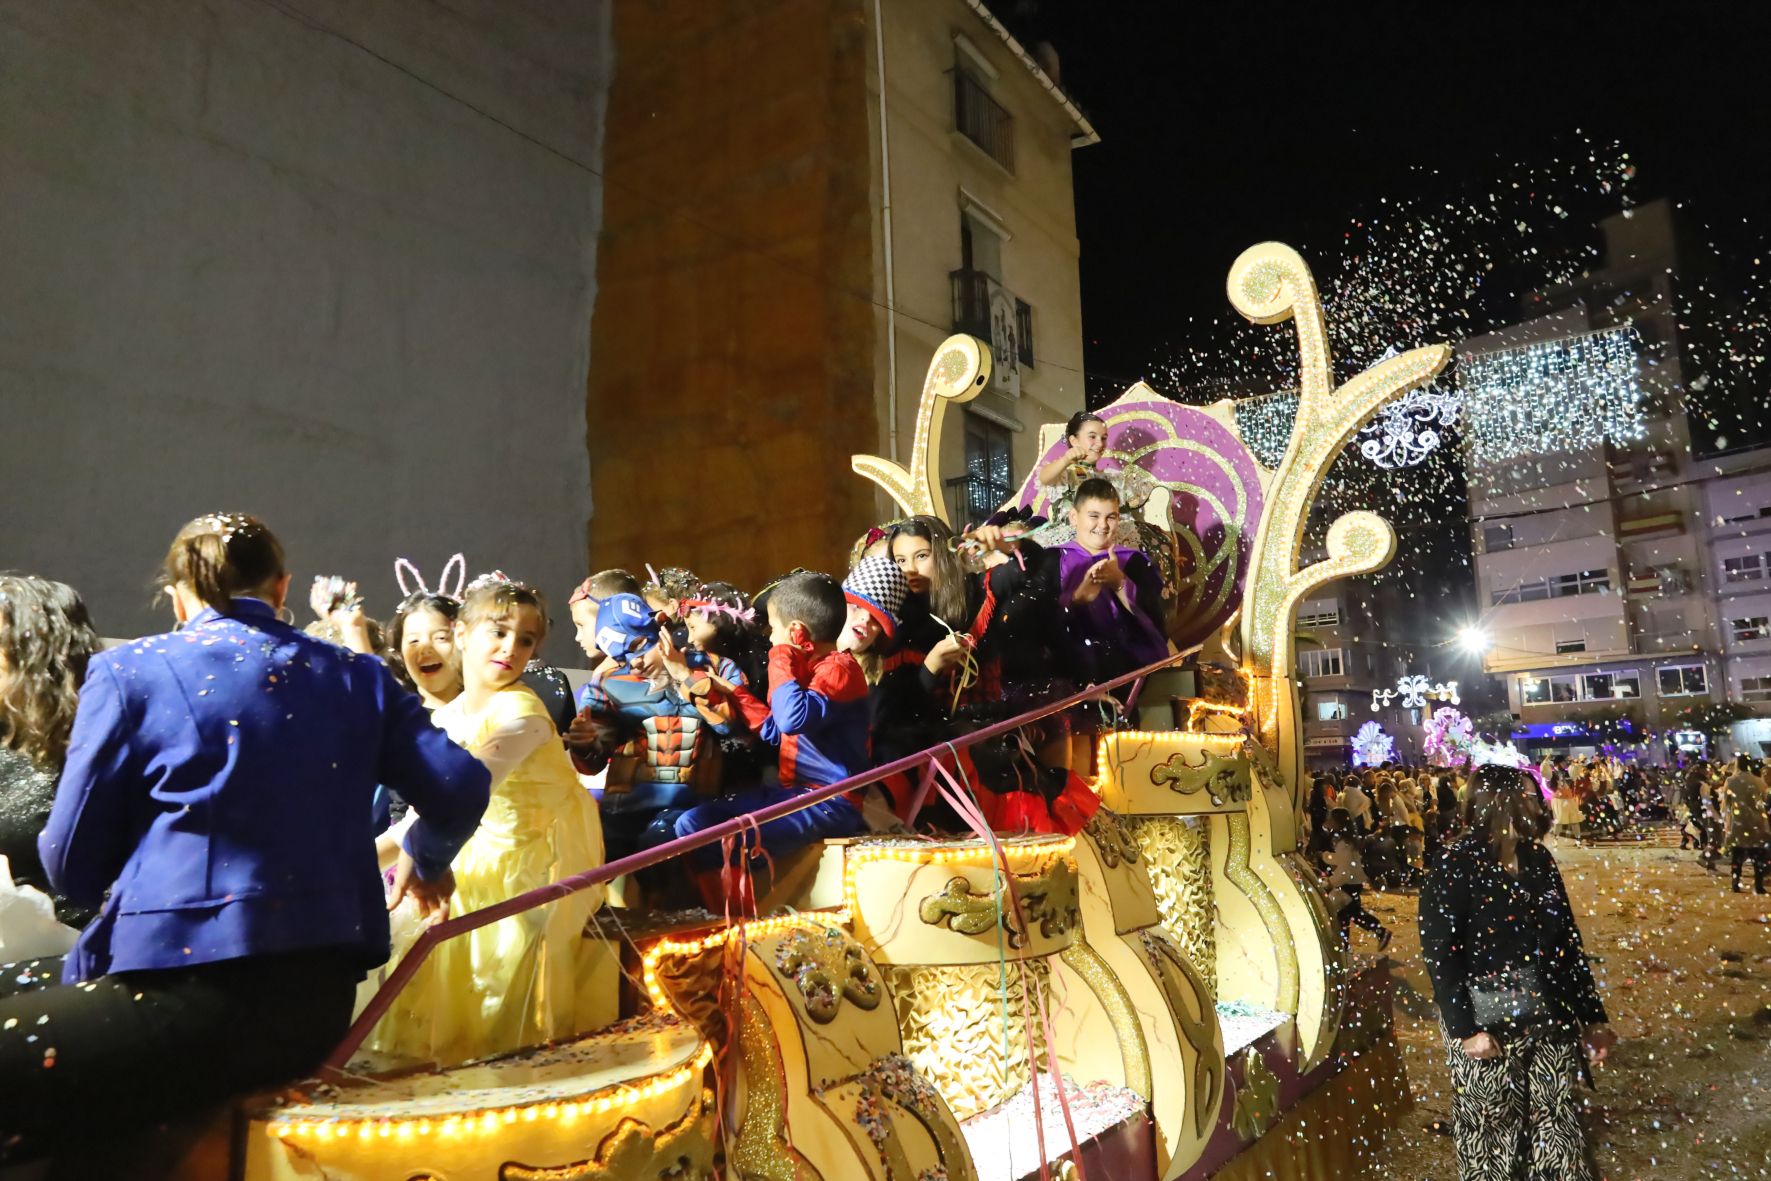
<point x="1224" y="781"/>
<point x="1334" y="955"/>
<point x="1187" y="995"/>
<point x="760" y="1151"/>
<point x="1114" y="842"/>
<point x="1093" y="971"/>
<point x="1048" y="900"/>
<point x="827" y="967"/>
<point x="1237" y="869"/>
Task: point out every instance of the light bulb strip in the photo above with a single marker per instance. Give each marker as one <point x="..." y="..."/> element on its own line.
<point x="754" y="929"/>
<point x="489" y="1120"/>
<point x="1198" y="710"/>
<point x="1023" y="857"/>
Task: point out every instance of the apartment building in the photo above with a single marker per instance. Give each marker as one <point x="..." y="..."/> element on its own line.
<point x="1610" y="576"/>
<point x="805" y="198"/>
<point x="1342" y="658"/>
<point x="1737" y="500"/>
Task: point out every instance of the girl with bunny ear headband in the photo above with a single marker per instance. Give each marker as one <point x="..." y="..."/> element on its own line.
<point x="412" y="581"/>
<point x="421" y="635"/>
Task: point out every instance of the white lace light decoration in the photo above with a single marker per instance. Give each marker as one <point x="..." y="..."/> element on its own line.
<point x="1414" y="689"/>
<point x="1408" y="430"/>
<point x="1372" y="747"/>
<point x="1553" y="396"/>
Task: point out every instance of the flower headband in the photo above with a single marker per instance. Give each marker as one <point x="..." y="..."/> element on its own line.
<point x="404" y="570"/>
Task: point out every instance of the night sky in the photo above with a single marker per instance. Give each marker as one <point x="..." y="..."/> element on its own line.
<point x="1225" y="125"/>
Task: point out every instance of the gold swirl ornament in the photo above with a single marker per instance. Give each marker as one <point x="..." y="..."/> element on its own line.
<point x="958" y="373"/>
<point x="1270" y="283"/>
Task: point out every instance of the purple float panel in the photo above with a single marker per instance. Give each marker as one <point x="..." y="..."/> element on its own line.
<point x="1215" y="484"/>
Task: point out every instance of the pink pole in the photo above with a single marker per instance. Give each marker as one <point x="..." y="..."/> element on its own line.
<point x="461" y="925"/>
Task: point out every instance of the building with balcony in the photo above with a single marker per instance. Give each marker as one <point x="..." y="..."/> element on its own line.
<point x="978" y="235"/>
<point x="1607" y="574"/>
<point x="805" y="197"/>
<point x="1343" y="656"/>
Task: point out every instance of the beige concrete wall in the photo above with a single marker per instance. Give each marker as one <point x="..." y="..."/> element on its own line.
<point x="328" y="262"/>
<point x="931" y="163"/>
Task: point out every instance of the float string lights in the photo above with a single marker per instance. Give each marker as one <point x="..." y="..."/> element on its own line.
<point x="1265" y="423"/>
<point x="808" y="920"/>
<point x="485" y="1121"/>
<point x="1553" y="396"/>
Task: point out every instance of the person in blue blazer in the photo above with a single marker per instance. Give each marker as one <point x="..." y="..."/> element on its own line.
<point x="215" y="799"/>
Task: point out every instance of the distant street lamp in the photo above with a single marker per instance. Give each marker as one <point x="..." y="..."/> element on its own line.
<point x="1474" y="640"/>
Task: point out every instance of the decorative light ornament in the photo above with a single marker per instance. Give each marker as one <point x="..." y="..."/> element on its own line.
<point x="1506" y="755"/>
<point x="1414" y="689"/>
<point x="1449" y="738"/>
<point x="1553" y="396"/>
<point x="1372" y="747"/>
<point x="1405" y="432"/>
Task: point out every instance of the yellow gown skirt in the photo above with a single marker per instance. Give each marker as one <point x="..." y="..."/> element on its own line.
<point x="526" y="979"/>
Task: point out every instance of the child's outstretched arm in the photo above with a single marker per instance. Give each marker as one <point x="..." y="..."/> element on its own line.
<point x="1053" y="473"/>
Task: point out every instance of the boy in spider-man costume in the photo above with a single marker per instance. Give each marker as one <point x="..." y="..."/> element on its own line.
<point x="817" y="711"/>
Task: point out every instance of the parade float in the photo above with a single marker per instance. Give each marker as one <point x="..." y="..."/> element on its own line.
<point x="1161" y="996"/>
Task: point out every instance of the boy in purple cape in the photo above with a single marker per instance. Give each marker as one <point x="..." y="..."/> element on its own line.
<point x="1111" y="595"/>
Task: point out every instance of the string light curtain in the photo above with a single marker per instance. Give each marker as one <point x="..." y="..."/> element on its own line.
<point x="1553" y="396"/>
<point x="1265" y="423"/>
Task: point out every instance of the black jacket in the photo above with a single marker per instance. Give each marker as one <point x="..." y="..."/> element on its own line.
<point x="1475" y="920"/>
<point x="26" y="795"/>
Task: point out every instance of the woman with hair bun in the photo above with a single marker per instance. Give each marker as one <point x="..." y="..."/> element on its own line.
<point x="214" y="798"/>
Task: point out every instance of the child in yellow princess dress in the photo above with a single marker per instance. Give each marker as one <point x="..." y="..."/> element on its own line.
<point x="521" y="980"/>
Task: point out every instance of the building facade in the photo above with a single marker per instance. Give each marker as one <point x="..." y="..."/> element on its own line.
<point x="1343" y="659"/>
<point x="1737" y="501"/>
<point x="1600" y="568"/>
<point x="977" y="234"/>
<point x="805" y="197"/>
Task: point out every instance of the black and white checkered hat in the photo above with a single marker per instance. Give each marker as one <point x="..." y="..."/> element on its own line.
<point x="877" y="586"/>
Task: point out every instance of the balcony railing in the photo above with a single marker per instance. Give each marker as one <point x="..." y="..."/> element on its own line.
<point x="1651" y="525"/>
<point x="983" y="120"/>
<point x="923" y="761"/>
<point x="1665" y="580"/>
